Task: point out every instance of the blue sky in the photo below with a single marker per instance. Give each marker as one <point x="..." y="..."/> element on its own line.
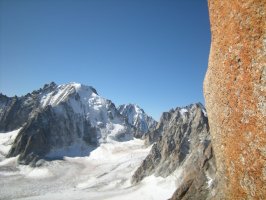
<point x="150" y="52"/>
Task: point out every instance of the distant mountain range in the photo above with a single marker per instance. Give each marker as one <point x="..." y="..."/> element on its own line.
<point x="73" y="120"/>
<point x="61" y="120"/>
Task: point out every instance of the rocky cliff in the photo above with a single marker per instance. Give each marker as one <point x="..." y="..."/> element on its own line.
<point x="182" y="147"/>
<point x="235" y="93"/>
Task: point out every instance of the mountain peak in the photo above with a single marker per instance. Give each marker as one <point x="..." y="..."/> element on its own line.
<point x="137" y="117"/>
<point x="133" y="107"/>
<point x="62" y="116"/>
<point x="53" y="94"/>
<point x="79" y="87"/>
<point x="49" y="85"/>
<point x="190" y="108"/>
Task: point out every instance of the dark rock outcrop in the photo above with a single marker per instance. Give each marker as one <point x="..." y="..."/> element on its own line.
<point x="183" y="144"/>
<point x="235" y="94"/>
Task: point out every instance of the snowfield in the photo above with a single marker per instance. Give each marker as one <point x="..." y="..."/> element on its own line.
<point x="6" y="141"/>
<point x="104" y="174"/>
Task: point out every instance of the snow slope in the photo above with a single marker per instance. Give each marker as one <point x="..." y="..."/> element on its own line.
<point x="105" y="174"/>
<point x="6" y="141"/>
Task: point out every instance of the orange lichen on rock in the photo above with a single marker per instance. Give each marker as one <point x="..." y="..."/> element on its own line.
<point x="235" y="94"/>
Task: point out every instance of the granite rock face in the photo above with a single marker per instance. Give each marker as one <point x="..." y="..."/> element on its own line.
<point x="235" y="94"/>
<point x="182" y="142"/>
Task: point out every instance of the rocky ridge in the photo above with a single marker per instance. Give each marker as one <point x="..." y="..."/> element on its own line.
<point x="182" y="148"/>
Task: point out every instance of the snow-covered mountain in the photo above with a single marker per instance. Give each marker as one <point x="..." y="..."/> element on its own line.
<point x="138" y="118"/>
<point x="59" y="120"/>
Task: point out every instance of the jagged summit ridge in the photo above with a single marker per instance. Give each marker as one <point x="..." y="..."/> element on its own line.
<point x="181" y="147"/>
<point x="172" y="117"/>
<point x="54" y="94"/>
<point x="186" y="109"/>
<point x="138" y="118"/>
<point x="83" y="100"/>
